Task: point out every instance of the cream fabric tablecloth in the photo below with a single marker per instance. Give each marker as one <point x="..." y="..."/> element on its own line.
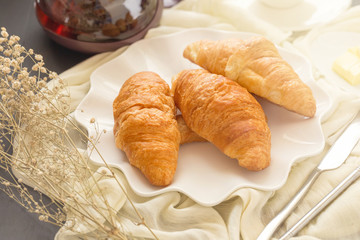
<point x="243" y="216"/>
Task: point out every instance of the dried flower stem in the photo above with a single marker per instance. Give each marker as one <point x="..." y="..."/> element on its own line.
<point x="36" y="143"/>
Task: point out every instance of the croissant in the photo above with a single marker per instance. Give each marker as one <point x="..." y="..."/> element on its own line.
<point x="225" y="114"/>
<point x="256" y="65"/>
<point x="145" y="127"/>
<point x="186" y="134"/>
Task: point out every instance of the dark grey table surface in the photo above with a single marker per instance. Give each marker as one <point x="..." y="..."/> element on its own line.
<point x="18" y="16"/>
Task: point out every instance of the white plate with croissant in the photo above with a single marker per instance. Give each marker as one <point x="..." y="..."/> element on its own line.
<point x="204" y="172"/>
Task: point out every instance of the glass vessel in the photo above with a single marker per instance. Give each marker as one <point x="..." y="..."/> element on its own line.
<point x="94" y="26"/>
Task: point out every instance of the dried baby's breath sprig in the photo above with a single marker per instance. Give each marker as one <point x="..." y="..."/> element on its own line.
<point x="37" y="148"/>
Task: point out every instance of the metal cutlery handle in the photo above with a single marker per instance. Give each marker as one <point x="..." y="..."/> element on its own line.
<point x="322" y="204"/>
<point x="285" y="212"/>
<point x="333" y="159"/>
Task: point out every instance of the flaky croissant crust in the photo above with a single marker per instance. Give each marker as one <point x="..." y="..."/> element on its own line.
<point x="145" y="127"/>
<point x="226" y="115"/>
<point x="255" y="64"/>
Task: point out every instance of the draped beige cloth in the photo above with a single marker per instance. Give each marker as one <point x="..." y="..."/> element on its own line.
<point x="243" y="216"/>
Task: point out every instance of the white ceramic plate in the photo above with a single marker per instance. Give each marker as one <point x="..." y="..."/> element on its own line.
<point x="326" y="48"/>
<point x="301" y="17"/>
<point x="204" y="173"/>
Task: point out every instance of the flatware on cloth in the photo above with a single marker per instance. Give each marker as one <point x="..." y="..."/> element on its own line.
<point x="337" y="154"/>
<point x="322" y="204"/>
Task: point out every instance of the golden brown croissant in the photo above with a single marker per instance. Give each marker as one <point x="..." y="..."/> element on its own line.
<point x="226" y="114"/>
<point x="187" y="135"/>
<point x="145" y="127"/>
<point x="256" y="65"/>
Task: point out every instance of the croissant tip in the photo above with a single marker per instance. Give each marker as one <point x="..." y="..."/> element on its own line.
<point x="160" y="178"/>
<point x="191" y="51"/>
<point x="310" y="111"/>
<point x="255" y="164"/>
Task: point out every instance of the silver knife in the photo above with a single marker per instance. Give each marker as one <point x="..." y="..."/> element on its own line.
<point x="337" y="154"/>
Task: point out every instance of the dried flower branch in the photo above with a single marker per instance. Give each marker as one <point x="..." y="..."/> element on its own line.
<point x="36" y="146"/>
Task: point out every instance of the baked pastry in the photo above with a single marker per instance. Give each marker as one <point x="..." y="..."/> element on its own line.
<point x="186" y="134"/>
<point x="145" y="127"/>
<point x="255" y="64"/>
<point x="225" y="114"/>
